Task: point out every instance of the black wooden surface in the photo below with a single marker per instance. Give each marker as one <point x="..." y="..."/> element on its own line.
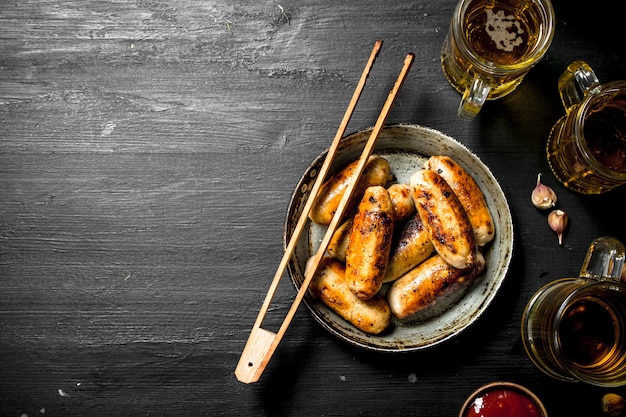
<point x="148" y="153"/>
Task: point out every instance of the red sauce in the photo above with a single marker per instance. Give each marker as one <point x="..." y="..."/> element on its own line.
<point x="502" y="402"/>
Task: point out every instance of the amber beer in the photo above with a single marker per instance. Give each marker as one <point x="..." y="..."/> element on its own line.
<point x="577" y="331"/>
<point x="590" y="333"/>
<point x="574" y="329"/>
<point x="491" y="45"/>
<point x="586" y="148"/>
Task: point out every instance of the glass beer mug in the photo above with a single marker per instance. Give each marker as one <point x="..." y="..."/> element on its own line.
<point x="586" y="148"/>
<point x="574" y="329"/>
<point x="491" y="45"/>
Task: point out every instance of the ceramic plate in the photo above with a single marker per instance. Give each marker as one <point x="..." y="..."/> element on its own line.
<point x="407" y="147"/>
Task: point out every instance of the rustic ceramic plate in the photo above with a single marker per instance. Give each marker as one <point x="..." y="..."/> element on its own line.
<point x="407" y="147"/>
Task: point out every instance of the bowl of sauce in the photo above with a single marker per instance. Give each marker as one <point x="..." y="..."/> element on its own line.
<point x="503" y="399"/>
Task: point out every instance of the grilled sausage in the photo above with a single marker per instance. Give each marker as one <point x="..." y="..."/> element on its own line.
<point x="338" y="244"/>
<point x="329" y="285"/>
<point x="444" y="218"/>
<point x="376" y="172"/>
<point x="469" y="194"/>
<point x="402" y="201"/>
<point x="410" y="247"/>
<point x="403" y="207"/>
<point x="431" y="288"/>
<point x="370" y="242"/>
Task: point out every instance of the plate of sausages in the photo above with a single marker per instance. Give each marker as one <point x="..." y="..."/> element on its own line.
<point x="423" y="248"/>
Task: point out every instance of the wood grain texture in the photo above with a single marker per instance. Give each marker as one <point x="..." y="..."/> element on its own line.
<point x="148" y="152"/>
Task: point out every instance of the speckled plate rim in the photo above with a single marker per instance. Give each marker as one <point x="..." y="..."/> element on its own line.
<point x="407" y="146"/>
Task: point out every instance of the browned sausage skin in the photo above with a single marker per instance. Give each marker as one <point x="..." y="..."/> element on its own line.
<point x="467" y="190"/>
<point x="376" y="172"/>
<point x="444" y="218"/>
<point x="402" y="201"/>
<point x="410" y="247"/>
<point x="370" y="243"/>
<point x="338" y="244"/>
<point x="403" y="208"/>
<point x="431" y="287"/>
<point x="371" y="316"/>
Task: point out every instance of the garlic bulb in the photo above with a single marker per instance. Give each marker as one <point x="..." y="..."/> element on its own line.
<point x="612" y="404"/>
<point x="557" y="220"/>
<point x="543" y="197"/>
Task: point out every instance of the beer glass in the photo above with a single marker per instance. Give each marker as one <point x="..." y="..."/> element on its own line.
<point x="491" y="45"/>
<point x="574" y="329"/>
<point x="586" y="147"/>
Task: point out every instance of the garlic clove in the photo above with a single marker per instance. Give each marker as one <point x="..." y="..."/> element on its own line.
<point x="543" y="197"/>
<point x="612" y="404"/>
<point x="557" y="219"/>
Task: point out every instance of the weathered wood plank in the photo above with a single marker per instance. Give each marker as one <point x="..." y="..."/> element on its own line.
<point x="148" y="152"/>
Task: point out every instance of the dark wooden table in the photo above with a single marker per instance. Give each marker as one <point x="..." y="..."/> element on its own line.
<point x="148" y="152"/>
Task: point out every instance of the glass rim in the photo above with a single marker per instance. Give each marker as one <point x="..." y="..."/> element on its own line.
<point x="580" y="115"/>
<point x="538" y="51"/>
<point x="553" y="370"/>
<point x="588" y="374"/>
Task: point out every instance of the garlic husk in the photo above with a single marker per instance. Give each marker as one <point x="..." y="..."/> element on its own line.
<point x="557" y="219"/>
<point x="543" y="197"/>
<point x="612" y="404"/>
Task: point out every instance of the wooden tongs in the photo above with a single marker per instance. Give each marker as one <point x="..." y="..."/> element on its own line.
<point x="262" y="343"/>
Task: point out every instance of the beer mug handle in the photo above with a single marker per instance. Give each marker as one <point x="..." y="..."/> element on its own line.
<point x="604" y="259"/>
<point x="575" y="83"/>
<point x="473" y="99"/>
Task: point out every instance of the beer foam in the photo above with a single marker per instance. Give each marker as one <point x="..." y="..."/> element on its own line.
<point x="503" y="30"/>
